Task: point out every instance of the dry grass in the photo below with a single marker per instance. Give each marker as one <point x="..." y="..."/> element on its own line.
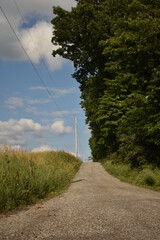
<point x="26" y="177"/>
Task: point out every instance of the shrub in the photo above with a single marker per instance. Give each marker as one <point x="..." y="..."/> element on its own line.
<point x="149" y="180"/>
<point x="146" y="177"/>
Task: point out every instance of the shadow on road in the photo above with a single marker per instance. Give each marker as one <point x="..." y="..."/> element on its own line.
<point x="78" y="180"/>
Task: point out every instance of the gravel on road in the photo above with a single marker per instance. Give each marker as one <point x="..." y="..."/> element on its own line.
<point x="96" y="206"/>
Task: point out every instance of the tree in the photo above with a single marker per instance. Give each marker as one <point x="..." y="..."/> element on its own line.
<point x="86" y="26"/>
<point x="115" y="48"/>
<point x="134" y="61"/>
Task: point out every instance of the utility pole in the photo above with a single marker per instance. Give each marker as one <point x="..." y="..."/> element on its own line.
<point x="76" y="137"/>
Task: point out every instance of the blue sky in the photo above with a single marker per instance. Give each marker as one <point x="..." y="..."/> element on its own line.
<point x="29" y="117"/>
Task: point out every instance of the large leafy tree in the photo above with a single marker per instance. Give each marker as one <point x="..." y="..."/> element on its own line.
<point x="115" y="48"/>
<point x="134" y="62"/>
<point x="78" y="34"/>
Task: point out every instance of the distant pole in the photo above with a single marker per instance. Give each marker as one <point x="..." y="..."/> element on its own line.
<point x="76" y="137"/>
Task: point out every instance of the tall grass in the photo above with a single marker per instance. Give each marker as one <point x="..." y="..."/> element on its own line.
<point x="147" y="176"/>
<point x="26" y="177"/>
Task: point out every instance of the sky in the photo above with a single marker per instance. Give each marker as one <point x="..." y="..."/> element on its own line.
<point x="39" y="99"/>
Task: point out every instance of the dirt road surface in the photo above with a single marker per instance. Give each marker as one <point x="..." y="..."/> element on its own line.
<point x="96" y="206"/>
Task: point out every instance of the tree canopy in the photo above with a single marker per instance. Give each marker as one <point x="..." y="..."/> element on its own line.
<point x="115" y="48"/>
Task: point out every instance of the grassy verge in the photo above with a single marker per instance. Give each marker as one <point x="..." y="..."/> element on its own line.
<point x="26" y="177"/>
<point x="147" y="177"/>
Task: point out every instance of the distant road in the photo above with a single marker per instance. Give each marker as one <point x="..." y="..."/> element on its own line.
<point x="97" y="206"/>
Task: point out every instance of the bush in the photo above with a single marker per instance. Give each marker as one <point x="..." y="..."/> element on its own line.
<point x="130" y="152"/>
<point x="146" y="177"/>
<point x="149" y="180"/>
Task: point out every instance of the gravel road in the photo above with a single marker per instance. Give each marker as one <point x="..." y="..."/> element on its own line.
<point x="96" y="206"/>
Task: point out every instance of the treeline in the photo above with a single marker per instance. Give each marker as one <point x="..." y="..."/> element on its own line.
<point x="115" y="48"/>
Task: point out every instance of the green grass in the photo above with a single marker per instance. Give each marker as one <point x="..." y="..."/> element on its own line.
<point x="26" y="177"/>
<point x="147" y="176"/>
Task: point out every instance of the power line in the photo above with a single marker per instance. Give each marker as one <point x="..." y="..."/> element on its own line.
<point x="40" y="78"/>
<point x="44" y="64"/>
<point x="34" y="68"/>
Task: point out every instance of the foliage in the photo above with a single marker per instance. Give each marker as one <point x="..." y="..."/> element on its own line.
<point x="115" y="48"/>
<point x="131" y="152"/>
<point x="147" y="176"/>
<point x="26" y="177"/>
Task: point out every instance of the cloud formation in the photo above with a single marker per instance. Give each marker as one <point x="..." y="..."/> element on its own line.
<point x="58" y="92"/>
<point x="37" y="33"/>
<point x="38" y="46"/>
<point x="61" y="92"/>
<point x="38" y="101"/>
<point x="59" y="128"/>
<point x="35" y="111"/>
<point x="14" y="102"/>
<point x="43" y="8"/>
<point x="17" y="102"/>
<point x="20" y="132"/>
<point x="43" y="148"/>
<point x="38" y="88"/>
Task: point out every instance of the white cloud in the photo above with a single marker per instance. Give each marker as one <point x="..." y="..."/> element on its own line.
<point x="14" y="132"/>
<point x="37" y="101"/>
<point x="14" y="102"/>
<point x="39" y="46"/>
<point x="43" y="8"/>
<point x="38" y="88"/>
<point x="35" y="111"/>
<point x="22" y="132"/>
<point x="17" y="102"/>
<point x="59" y="128"/>
<point x="41" y="31"/>
<point x="58" y="92"/>
<point x="43" y="148"/>
<point x="61" y="92"/>
<point x="38" y="112"/>
<point x="72" y="153"/>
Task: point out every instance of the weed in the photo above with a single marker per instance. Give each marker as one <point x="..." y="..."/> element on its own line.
<point x="26" y="177"/>
<point x="147" y="176"/>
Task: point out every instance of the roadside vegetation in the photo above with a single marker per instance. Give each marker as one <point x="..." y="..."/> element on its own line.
<point x="147" y="176"/>
<point x="115" y="48"/>
<point x="26" y="177"/>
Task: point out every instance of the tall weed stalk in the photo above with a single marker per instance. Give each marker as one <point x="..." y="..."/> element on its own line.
<point x="26" y="177"/>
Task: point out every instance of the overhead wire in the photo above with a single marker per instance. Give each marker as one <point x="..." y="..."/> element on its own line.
<point x="36" y="71"/>
<point x="34" y="68"/>
<point x="43" y="62"/>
